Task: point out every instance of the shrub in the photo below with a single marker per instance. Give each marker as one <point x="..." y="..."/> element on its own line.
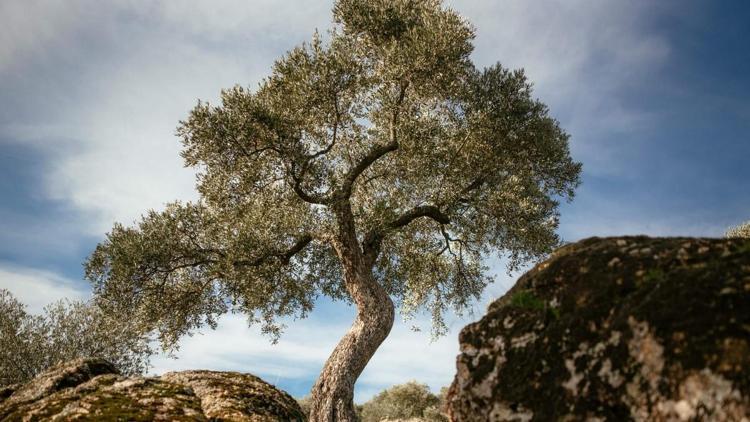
<point x="743" y="230"/>
<point x="406" y="401"/>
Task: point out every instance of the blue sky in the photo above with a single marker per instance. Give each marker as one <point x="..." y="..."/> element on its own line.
<point x="655" y="95"/>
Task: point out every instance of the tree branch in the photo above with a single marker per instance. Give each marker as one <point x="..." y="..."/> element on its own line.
<point x="296" y="183"/>
<point x="334" y="136"/>
<point x="421" y="211"/>
<point x="284" y="255"/>
<point x="372" y="156"/>
<point x="476" y="184"/>
<point x="378" y="151"/>
<point x="461" y="196"/>
<point x="371" y="242"/>
<point x="297" y="178"/>
<point x="307" y="197"/>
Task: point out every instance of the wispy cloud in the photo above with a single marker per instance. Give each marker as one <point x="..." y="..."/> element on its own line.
<point x="112" y="149"/>
<point x="31" y="28"/>
<point x="36" y="288"/>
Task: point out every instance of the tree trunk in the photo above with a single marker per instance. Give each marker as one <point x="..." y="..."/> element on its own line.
<point x="332" y="396"/>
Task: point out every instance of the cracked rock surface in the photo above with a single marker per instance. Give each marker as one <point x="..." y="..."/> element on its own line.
<point x="615" y="329"/>
<point x="91" y="389"/>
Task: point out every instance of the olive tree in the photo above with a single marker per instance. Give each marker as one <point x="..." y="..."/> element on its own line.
<point x="65" y="330"/>
<point x="743" y="230"/>
<point x="375" y="164"/>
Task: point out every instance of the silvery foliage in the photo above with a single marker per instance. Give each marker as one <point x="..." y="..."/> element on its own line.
<point x="743" y="231"/>
<point x="30" y="344"/>
<point x="443" y="164"/>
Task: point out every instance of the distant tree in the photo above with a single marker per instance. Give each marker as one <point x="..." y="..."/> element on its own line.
<point x="437" y="412"/>
<point x="743" y="230"/>
<point x="379" y="165"/>
<point x="20" y="341"/>
<point x="406" y="401"/>
<point x="29" y="344"/>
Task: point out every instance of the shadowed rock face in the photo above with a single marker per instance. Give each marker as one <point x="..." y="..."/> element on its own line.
<point x="615" y="329"/>
<point x="91" y="389"/>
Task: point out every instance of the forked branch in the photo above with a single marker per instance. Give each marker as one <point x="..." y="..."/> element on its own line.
<point x="373" y="239"/>
<point x="372" y="156"/>
<point x="377" y="151"/>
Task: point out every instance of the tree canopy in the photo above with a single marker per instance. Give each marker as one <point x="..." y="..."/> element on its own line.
<point x="441" y="162"/>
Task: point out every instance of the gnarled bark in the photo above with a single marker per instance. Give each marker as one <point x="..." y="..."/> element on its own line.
<point x="333" y="393"/>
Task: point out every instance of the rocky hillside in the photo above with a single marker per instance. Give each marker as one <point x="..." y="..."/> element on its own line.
<point x="91" y="389"/>
<point x="632" y="328"/>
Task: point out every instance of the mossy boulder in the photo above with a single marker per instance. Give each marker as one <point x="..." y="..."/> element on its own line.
<point x="91" y="389"/>
<point x="615" y="329"/>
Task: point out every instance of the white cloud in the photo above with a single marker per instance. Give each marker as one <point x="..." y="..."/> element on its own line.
<point x="222" y="19"/>
<point x="30" y="26"/>
<point x="234" y="346"/>
<point x="112" y="150"/>
<point x="37" y="288"/>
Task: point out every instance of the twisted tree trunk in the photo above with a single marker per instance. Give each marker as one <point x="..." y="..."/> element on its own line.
<point x="332" y="395"/>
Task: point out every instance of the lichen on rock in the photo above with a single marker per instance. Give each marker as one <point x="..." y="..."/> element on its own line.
<point x="91" y="389"/>
<point x="232" y="395"/>
<point x="615" y="329"/>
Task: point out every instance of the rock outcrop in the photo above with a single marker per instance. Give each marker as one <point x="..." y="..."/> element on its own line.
<point x="91" y="389"/>
<point x="616" y="329"/>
